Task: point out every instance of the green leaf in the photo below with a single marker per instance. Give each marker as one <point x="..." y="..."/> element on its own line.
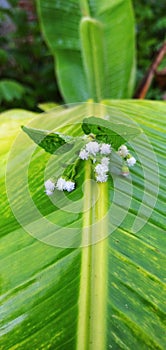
<point x="113" y="133"/>
<point x="51" y="141"/>
<point x="93" y="45"/>
<point x="64" y="296"/>
<point x="48" y="106"/>
<point x="91" y="35"/>
<point x="10" y="90"/>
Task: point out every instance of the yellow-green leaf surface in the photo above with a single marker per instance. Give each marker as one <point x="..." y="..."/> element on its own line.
<point x="58" y="289"/>
<point x="93" y="44"/>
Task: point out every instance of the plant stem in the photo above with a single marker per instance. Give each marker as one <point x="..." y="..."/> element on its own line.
<point x="99" y="274"/>
<point x="91" y="35"/>
<point x="84" y="6"/>
<point x="92" y="301"/>
<point x="84" y="298"/>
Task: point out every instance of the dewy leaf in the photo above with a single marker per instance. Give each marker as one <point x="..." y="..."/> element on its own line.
<point x="114" y="133"/>
<point x="51" y="142"/>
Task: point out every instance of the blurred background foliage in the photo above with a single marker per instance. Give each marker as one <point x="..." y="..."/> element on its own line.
<point x="27" y="75"/>
<point x="150" y="36"/>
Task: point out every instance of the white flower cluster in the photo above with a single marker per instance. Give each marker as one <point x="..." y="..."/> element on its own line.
<point x="61" y="185"/>
<point x="128" y="159"/>
<point x="101" y="170"/>
<point x="93" y="148"/>
<point x="124" y="153"/>
<point x="50" y="187"/>
<point x="99" y="155"/>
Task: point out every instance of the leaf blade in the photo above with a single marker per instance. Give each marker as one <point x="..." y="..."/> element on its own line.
<point x="50" y="141"/>
<point x="63" y="36"/>
<point x="110" y="132"/>
<point x="35" y="276"/>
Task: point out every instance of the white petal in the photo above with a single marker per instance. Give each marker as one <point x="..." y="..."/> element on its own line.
<point x="49" y="185"/>
<point x="60" y="185"/>
<point x="131" y="161"/>
<point x="92" y="147"/>
<point x="101" y="169"/>
<point x="123" y="151"/>
<point x="105" y="161"/>
<point x="102" y="178"/>
<point x="49" y="193"/>
<point x="69" y="186"/>
<point x="83" y="154"/>
<point x="105" y="148"/>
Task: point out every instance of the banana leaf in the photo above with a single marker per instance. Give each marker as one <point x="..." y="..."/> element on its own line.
<point x="83" y="270"/>
<point x="93" y="43"/>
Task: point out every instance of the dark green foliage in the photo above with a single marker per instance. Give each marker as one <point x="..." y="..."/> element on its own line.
<point x="151" y="34"/>
<point x="24" y="57"/>
<point x="10" y="90"/>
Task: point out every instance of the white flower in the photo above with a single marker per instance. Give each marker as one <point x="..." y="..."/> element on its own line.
<point x="131" y="161"/>
<point x="92" y="147"/>
<point x="49" y="186"/>
<point x="105" y="161"/>
<point x="83" y="154"/>
<point x="123" y="151"/>
<point x="48" y="192"/>
<point x="101" y="169"/>
<point x="105" y="148"/>
<point x="102" y="178"/>
<point x="61" y="183"/>
<point x="69" y="186"/>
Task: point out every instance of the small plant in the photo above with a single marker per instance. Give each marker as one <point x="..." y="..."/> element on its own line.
<point x="96" y="147"/>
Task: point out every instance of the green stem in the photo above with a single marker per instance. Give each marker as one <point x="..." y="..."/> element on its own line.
<point x="84" y="6"/>
<point x="99" y="274"/>
<point x="84" y="298"/>
<point x="91" y="35"/>
<point x="93" y="291"/>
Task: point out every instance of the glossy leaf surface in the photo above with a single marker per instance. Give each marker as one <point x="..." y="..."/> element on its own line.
<point x="48" y="292"/>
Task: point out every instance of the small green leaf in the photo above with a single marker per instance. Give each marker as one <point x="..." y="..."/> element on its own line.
<point x="113" y="133"/>
<point x="50" y="141"/>
<point x="71" y="169"/>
